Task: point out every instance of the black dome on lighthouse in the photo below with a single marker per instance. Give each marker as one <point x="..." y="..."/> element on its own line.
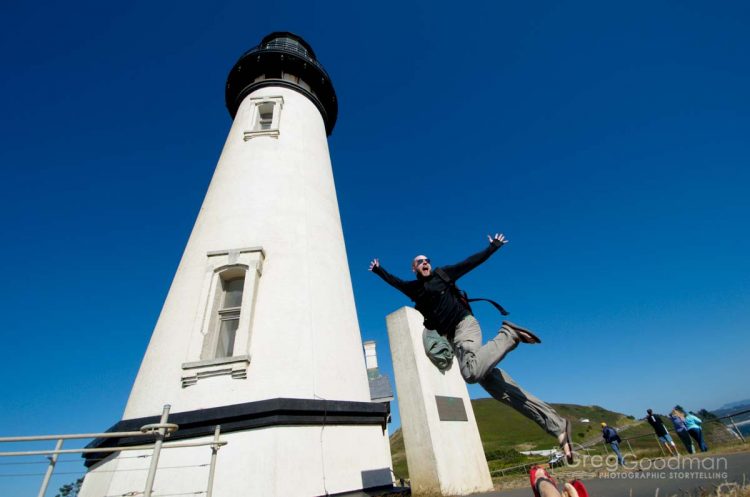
<point x="283" y="59"/>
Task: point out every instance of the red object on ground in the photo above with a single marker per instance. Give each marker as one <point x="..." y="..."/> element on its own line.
<point x="578" y="485"/>
<point x="537" y="474"/>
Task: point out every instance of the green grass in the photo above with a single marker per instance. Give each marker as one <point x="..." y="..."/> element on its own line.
<point x="398" y="455"/>
<point x="501" y="427"/>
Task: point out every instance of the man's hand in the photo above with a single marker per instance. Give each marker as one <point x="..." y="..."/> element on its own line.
<point x="499" y="237"/>
<point x="374" y="263"/>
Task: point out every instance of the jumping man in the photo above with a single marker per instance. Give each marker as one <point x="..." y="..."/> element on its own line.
<point x="451" y="317"/>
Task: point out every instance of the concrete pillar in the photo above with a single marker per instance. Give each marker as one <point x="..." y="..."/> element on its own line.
<point x="443" y="448"/>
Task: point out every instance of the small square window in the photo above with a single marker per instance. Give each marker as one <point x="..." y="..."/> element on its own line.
<point x="264" y="117"/>
<point x="233" y="292"/>
<point x="227" y="335"/>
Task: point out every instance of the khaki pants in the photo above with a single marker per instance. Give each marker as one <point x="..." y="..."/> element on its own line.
<point x="478" y="363"/>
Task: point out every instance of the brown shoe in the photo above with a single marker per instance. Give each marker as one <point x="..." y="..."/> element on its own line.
<point x="524" y="335"/>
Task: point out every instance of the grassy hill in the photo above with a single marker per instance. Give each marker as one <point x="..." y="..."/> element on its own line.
<point x="502" y="428"/>
<point x="505" y="432"/>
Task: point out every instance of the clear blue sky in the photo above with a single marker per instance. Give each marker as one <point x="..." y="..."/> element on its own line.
<point x="609" y="143"/>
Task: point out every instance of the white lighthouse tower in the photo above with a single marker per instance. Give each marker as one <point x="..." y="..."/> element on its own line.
<point x="259" y="332"/>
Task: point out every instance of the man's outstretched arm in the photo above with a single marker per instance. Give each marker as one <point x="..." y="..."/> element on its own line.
<point x="457" y="270"/>
<point x="394" y="281"/>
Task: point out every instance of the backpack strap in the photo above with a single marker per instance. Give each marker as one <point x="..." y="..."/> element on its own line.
<point x="497" y="306"/>
<point x="444" y="276"/>
<point x="447" y="279"/>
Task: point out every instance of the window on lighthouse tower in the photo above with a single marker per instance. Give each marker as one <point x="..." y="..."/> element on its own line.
<point x="265" y="116"/>
<point x="229" y="315"/>
<point x="222" y="329"/>
<point x="262" y="116"/>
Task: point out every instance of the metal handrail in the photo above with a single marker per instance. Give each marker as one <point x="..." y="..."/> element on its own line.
<point x="110" y="434"/>
<point x="746" y="411"/>
<point x="160" y="431"/>
<point x="292" y="46"/>
<point x="288" y="48"/>
<point x="175" y="445"/>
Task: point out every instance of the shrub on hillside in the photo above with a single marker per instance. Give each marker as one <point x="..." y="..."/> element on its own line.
<point x="505" y="457"/>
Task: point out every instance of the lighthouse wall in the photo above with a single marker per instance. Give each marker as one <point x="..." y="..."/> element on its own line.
<point x="271" y="209"/>
<point x="300" y="461"/>
<point x="270" y="213"/>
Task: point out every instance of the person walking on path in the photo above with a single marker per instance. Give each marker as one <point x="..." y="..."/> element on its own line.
<point x="678" y="422"/>
<point x="661" y="432"/>
<point x="610" y="436"/>
<point x="436" y="298"/>
<point x="693" y="424"/>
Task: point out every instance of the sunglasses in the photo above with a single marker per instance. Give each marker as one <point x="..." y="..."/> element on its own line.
<point x="419" y="262"/>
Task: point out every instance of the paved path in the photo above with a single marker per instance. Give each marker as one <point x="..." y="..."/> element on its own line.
<point x="680" y="481"/>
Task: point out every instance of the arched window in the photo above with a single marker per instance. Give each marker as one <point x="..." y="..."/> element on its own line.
<point x="220" y="340"/>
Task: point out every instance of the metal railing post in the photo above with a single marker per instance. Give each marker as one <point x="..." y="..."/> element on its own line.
<point x="731" y="420"/>
<point x="630" y="447"/>
<point x="212" y="468"/>
<point x="50" y="468"/>
<point x="659" y="444"/>
<point x="155" y="455"/>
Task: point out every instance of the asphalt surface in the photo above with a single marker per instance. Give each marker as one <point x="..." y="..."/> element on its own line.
<point x="689" y="478"/>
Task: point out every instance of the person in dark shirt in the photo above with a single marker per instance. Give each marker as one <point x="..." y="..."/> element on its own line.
<point x="610" y="436"/>
<point x="661" y="432"/>
<point x="448" y="314"/>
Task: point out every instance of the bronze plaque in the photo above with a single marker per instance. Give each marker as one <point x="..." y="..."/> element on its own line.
<point x="451" y="408"/>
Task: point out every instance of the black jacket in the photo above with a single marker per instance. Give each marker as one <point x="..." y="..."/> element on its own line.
<point x="441" y="308"/>
<point x="657" y="424"/>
